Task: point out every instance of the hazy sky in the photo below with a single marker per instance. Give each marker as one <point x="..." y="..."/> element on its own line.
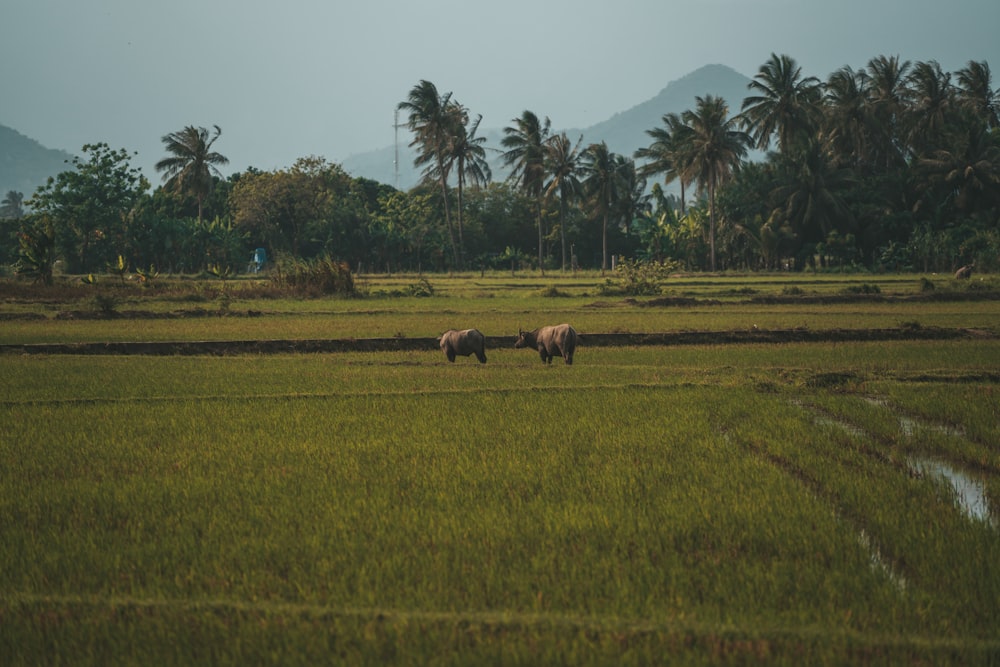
<point x="291" y="78"/>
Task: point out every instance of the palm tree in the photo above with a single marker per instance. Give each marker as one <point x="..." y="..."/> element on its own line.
<point x="716" y="148"/>
<point x="562" y="160"/>
<point x="930" y="106"/>
<point x="525" y="144"/>
<point x="433" y="119"/>
<point x="468" y="153"/>
<point x="632" y="201"/>
<point x="12" y="206"/>
<point x="785" y="104"/>
<point x="970" y="172"/>
<point x="975" y="92"/>
<point x="191" y="166"/>
<point x="601" y="185"/>
<point x="666" y="154"/>
<point x="811" y="198"/>
<point x="849" y="125"/>
<point x="889" y="97"/>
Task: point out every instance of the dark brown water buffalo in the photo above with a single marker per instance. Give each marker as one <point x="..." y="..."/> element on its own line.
<point x="464" y="343"/>
<point x="965" y="272"/>
<point x="553" y="341"/>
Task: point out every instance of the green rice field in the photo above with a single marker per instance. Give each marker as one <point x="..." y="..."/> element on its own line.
<point x="784" y="503"/>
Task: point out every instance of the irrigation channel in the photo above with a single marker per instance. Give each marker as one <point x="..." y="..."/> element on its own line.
<point x="969" y="486"/>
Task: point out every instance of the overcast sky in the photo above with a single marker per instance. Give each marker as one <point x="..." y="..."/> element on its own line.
<point x="291" y="78"/>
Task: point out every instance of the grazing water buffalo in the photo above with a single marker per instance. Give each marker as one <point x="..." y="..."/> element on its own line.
<point x="965" y="272"/>
<point x="464" y="343"/>
<point x="552" y="341"/>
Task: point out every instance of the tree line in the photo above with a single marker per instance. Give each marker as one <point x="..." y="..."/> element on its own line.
<point x="894" y="166"/>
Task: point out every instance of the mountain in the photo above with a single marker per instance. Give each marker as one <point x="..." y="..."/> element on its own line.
<point x="624" y="132"/>
<point x="25" y="164"/>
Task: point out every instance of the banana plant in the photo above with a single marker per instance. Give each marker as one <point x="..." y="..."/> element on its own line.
<point x="147" y="277"/>
<point x="120" y="268"/>
<point x="36" y="253"/>
<point x="222" y="273"/>
<point x="514" y="255"/>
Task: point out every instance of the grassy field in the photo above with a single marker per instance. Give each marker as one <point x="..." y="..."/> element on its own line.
<point x="714" y="504"/>
<point x="496" y="304"/>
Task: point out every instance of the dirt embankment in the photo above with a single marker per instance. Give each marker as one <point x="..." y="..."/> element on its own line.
<point x="495" y="342"/>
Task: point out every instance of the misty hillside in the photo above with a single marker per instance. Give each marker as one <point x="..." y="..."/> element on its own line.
<point x="624" y="132"/>
<point x="25" y="164"/>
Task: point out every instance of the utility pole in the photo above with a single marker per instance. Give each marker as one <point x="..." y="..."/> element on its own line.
<point x="395" y="160"/>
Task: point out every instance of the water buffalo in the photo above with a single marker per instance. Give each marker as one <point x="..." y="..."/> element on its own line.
<point x="464" y="343"/>
<point x="965" y="272"/>
<point x="553" y="341"/>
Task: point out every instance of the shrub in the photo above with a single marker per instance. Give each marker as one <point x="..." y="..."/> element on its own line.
<point x="314" y="277"/>
<point x="978" y="286"/>
<point x="37" y="256"/>
<point x="864" y="288"/>
<point x="638" y="278"/>
<point x="106" y="304"/>
<point x="422" y="287"/>
<point x="224" y="301"/>
<point x="552" y="291"/>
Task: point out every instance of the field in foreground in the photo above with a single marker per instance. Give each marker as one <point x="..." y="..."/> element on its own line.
<point x="782" y="504"/>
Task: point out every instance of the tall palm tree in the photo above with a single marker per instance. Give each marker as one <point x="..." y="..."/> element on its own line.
<point x="602" y="186"/>
<point x="849" y="125"/>
<point x="784" y="104"/>
<point x="666" y="154"/>
<point x="525" y="144"/>
<point x="889" y="97"/>
<point x="633" y="201"/>
<point x="975" y="92"/>
<point x="716" y="148"/>
<point x="432" y="119"/>
<point x="469" y="155"/>
<point x="192" y="163"/>
<point x="562" y="159"/>
<point x="12" y="206"/>
<point x="969" y="172"/>
<point x="811" y="198"/>
<point x="930" y="106"/>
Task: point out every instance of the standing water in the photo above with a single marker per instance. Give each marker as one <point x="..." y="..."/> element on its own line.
<point x="969" y="491"/>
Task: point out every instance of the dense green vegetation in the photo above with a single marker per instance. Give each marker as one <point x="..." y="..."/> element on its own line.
<point x="779" y="503"/>
<point x="893" y="166"/>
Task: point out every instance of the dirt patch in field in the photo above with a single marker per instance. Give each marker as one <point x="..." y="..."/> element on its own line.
<point x="667" y="301"/>
<point x="13" y="317"/>
<point x="151" y="315"/>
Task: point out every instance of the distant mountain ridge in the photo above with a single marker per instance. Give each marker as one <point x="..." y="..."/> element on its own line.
<point x="624" y="132"/>
<point x="25" y="164"/>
